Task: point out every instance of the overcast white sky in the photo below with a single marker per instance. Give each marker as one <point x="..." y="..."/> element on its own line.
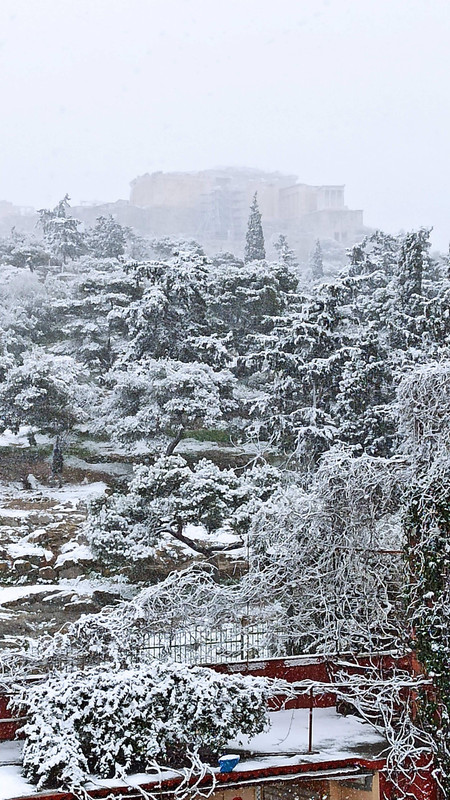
<point x="96" y="92"/>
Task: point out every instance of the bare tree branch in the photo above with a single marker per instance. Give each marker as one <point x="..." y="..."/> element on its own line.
<point x="205" y="550"/>
<point x="173" y="444"/>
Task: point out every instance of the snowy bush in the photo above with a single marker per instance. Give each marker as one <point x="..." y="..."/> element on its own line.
<point x="155" y="397"/>
<point x="110" y="723"/>
<point x="166" y="498"/>
<point x="45" y="391"/>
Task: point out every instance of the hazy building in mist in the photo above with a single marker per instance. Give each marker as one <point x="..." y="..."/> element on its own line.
<point x="213" y="205"/>
<point x="23" y="218"/>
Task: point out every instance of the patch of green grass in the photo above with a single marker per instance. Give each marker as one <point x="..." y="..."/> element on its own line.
<point x="205" y="435"/>
<point x="25" y="453"/>
<point x="85" y="453"/>
<point x="89" y="436"/>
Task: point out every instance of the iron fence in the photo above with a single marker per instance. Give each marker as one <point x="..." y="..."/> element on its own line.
<point x="200" y="645"/>
<point x="231" y="642"/>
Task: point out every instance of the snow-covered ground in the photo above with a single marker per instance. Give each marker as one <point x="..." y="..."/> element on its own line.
<point x="285" y="743"/>
<point x="73" y="493"/>
<point x="70" y="493"/>
<point x="75" y="587"/>
<point x="115" y="468"/>
<point x="20" y="439"/>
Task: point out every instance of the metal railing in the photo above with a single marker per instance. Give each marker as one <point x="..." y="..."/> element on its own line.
<point x="230" y="642"/>
<point x="200" y="645"/>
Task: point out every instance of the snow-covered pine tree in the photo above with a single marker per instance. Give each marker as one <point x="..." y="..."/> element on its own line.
<point x="171" y="315"/>
<point x="60" y="231"/>
<point x="377" y="252"/>
<point x="131" y="531"/>
<point x="254" y="248"/>
<point x="46" y="392"/>
<point x="286" y="256"/>
<point x="107" y="239"/>
<point x="156" y="397"/>
<point x="21" y="250"/>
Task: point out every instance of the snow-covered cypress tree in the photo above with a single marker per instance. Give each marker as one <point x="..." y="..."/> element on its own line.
<point x="254" y="248"/>
<point x="413" y="263"/>
<point x="317" y="263"/>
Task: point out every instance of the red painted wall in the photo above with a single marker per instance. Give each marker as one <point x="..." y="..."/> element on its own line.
<point x="422" y="787"/>
<point x="8" y="722"/>
<point x="316" y="668"/>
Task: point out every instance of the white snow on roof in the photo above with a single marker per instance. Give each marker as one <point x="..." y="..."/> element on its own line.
<point x="334" y="736"/>
<point x="12" y="784"/>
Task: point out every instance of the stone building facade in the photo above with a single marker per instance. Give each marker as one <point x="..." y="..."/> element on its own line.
<point x="213" y="205"/>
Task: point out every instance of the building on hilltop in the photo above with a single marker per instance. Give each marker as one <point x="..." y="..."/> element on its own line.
<point x="213" y="205"/>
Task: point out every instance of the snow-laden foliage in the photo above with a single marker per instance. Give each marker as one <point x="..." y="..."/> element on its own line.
<point x="26" y="252"/>
<point x="108" y="723"/>
<point x="414" y="262"/>
<point x="166" y="498"/>
<point x="286" y="256"/>
<point x="172" y="312"/>
<point x="325" y="563"/>
<point x="158" y="396"/>
<point x="187" y="603"/>
<point x="424" y="422"/>
<point x="424" y="405"/>
<point x="107" y="239"/>
<point x="331" y="557"/>
<point x="44" y="391"/>
<point x="327" y="369"/>
<point x="427" y="525"/>
<point x="316" y="261"/>
<point x="247" y="300"/>
<point x="254" y="241"/>
<point x="377" y="252"/>
<point x="61" y="232"/>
